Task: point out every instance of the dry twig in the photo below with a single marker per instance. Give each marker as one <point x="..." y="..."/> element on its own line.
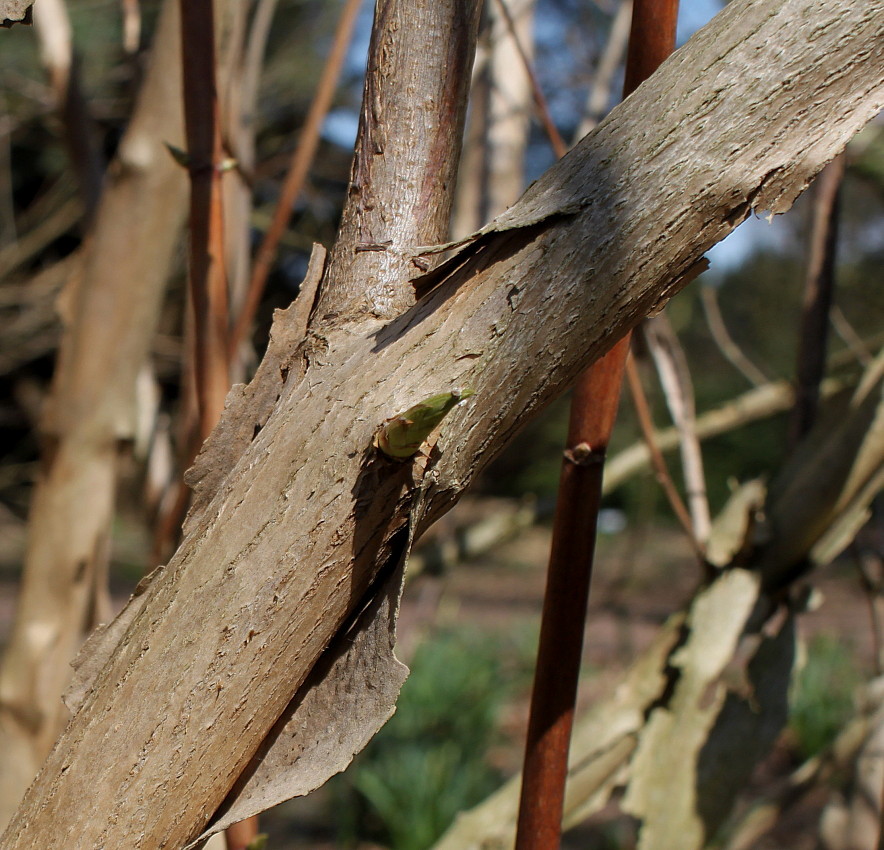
<point x="725" y="342"/>
<point x="678" y="390"/>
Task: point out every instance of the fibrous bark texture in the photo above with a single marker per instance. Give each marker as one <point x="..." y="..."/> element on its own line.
<point x="305" y="523"/>
<point x="110" y="309"/>
<point x="405" y="163"/>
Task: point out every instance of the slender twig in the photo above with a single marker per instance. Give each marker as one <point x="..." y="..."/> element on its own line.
<point x="53" y="28"/>
<point x="818" y="289"/>
<point x="871" y="573"/>
<point x="175" y="503"/>
<point x="239" y="836"/>
<point x="208" y="283"/>
<point x="758" y="403"/>
<point x="661" y="472"/>
<point x="854" y="342"/>
<point x="678" y="390"/>
<point x="593" y="411"/>
<point x="558" y="143"/>
<point x="44" y="231"/>
<point x="297" y="173"/>
<point x="603" y="79"/>
<point x="725" y="342"/>
<point x="253" y="58"/>
<point x="208" y="278"/>
<point x="131" y="25"/>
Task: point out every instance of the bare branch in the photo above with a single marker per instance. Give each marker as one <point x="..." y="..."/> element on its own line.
<point x="558" y="143"/>
<point x="612" y="56"/>
<point x="726" y="345"/>
<point x="205" y="152"/>
<point x="657" y="462"/>
<point x="760" y="403"/>
<point x="818" y="292"/>
<point x="297" y="173"/>
<point x="398" y="196"/>
<point x="675" y="378"/>
<point x="851" y="338"/>
<point x="113" y="297"/>
<point x="61" y="60"/>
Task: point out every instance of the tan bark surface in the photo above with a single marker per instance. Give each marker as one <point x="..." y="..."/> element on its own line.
<point x="14" y="10"/>
<point x="110" y="310"/>
<point x="310" y="517"/>
<point x="399" y="184"/>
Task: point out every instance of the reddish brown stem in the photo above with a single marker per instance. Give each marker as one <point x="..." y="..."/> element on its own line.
<point x="593" y="411"/>
<point x="240" y="835"/>
<point x="208" y="282"/>
<point x="297" y="173"/>
<point x="651" y="40"/>
<point x="207" y="277"/>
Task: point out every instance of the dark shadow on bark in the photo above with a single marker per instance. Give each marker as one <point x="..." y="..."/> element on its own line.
<point x="437" y="286"/>
<point x="754" y="713"/>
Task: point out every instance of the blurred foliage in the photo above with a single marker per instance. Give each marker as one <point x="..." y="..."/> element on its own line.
<point x="35" y="181"/>
<point x="823" y="694"/>
<point x="431" y="760"/>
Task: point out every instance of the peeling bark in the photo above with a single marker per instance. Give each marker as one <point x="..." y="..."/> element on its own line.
<point x="310" y="518"/>
<point x="110" y="305"/>
<point x="15" y="11"/>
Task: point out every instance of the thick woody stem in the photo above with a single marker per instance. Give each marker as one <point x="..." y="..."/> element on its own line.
<point x="297" y="173"/>
<point x="400" y="194"/>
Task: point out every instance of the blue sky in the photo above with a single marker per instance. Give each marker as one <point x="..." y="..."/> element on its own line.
<point x="341" y="124"/>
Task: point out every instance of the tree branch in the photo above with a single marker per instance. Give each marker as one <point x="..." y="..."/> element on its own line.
<point x="309" y="516"/>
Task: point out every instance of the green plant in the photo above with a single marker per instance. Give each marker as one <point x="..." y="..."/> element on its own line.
<point x="429" y="762"/>
<point x="822" y="698"/>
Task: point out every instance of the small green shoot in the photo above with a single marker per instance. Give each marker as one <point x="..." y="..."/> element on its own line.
<point x="401" y="436"/>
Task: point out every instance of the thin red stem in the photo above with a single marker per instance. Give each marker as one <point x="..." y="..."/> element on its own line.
<point x="207" y="275"/>
<point x="593" y="411"/>
<point x="208" y="281"/>
<point x="658" y="463"/>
